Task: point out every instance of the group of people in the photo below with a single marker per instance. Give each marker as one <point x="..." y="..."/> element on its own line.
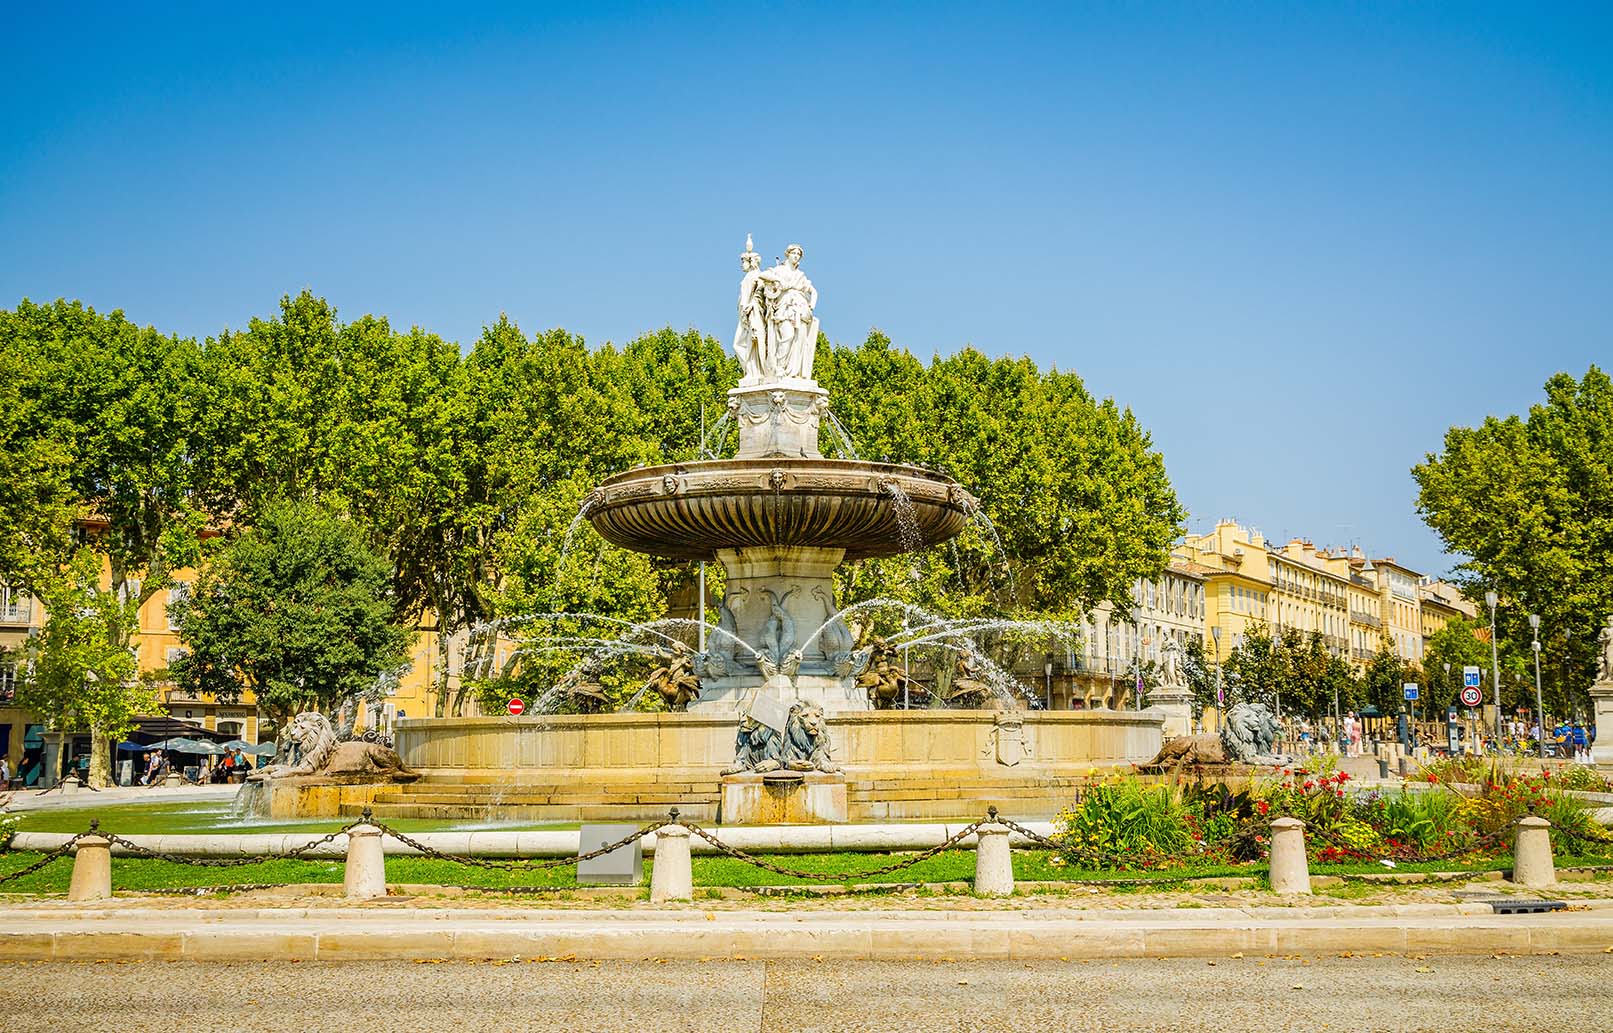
<point x="1349" y="735"/>
<point x="232" y="762"/>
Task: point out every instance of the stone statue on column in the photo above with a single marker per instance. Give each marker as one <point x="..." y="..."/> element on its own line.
<point x="1605" y="661"/>
<point x="777" y="336"/>
<point x="792" y="329"/>
<point x="750" y="339"/>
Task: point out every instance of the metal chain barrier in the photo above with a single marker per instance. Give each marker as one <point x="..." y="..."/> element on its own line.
<point x="1054" y="845"/>
<point x="61" y="851"/>
<point x="221" y="862"/>
<point x="797" y="873"/>
<point x="519" y="864"/>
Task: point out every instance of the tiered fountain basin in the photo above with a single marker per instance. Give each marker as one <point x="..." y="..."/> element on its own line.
<point x="900" y="765"/>
<point x="780" y="526"/>
<point x="695" y="511"/>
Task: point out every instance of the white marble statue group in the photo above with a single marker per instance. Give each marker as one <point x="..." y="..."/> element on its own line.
<point x="777" y="335"/>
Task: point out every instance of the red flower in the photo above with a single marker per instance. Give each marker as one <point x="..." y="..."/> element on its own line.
<point x="1262" y="806"/>
<point x="1310" y="785"/>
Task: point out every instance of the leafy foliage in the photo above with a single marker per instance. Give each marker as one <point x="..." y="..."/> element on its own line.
<point x="297" y="609"/>
<point x="465" y="470"/>
<point x="78" y="672"/>
<point x="1529" y="502"/>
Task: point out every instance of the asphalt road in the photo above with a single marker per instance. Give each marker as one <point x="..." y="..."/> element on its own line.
<point x="1443" y="994"/>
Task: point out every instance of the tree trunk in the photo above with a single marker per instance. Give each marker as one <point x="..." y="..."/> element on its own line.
<point x="100" y="759"/>
<point x="442" y="668"/>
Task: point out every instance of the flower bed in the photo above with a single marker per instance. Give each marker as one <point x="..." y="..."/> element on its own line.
<point x="1127" y="824"/>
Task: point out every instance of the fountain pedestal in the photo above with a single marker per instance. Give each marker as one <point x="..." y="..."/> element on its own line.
<point x="777" y="598"/>
<point x="783" y="798"/>
<point x="778" y="418"/>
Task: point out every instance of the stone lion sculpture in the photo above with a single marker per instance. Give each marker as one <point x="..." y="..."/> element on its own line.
<point x="806" y="740"/>
<point x="756" y="748"/>
<point x="803" y="746"/>
<point x="1250" y="732"/>
<point x="323" y="756"/>
<point x="1248" y="736"/>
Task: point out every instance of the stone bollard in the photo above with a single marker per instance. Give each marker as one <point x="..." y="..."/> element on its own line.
<point x="1290" y="871"/>
<point x="1532" y="864"/>
<point x="994" y="861"/>
<point x="92" y="868"/>
<point x="671" y="877"/>
<point x="365" y="874"/>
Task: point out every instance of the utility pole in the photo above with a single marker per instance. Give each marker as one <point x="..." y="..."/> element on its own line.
<point x="1534" y="626"/>
<point x="1490" y="599"/>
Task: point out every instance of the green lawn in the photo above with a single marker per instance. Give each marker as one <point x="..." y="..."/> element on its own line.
<point x="836" y="868"/>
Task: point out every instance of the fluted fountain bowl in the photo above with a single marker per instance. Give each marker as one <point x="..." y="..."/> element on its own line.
<point x="690" y="510"/>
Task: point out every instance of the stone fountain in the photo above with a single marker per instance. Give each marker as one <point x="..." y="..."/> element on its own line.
<point x="778" y="725"/>
<point x="779" y="516"/>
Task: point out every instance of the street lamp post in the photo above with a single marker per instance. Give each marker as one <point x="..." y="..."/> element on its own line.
<point x="1220" y="719"/>
<point x="1534" y="626"/>
<point x="1490" y="599"/>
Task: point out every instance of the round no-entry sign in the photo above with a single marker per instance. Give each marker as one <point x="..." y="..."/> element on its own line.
<point x="1471" y="697"/>
<point x="516" y="706"/>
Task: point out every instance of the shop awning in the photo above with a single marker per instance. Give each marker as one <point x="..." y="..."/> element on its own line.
<point x="151" y="729"/>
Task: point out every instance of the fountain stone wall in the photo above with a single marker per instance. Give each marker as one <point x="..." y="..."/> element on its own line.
<point x="899" y="765"/>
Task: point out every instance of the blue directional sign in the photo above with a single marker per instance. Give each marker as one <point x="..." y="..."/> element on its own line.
<point x="1410" y="690"/>
<point x="1471" y="677"/>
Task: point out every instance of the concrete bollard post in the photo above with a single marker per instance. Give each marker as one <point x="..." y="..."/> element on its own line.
<point x="365" y="874"/>
<point x="671" y="876"/>
<point x="1532" y="864"/>
<point x="92" y="868"/>
<point x="1290" y="871"/>
<point x="994" y="863"/>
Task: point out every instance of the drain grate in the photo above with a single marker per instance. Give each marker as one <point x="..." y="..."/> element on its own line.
<point x="1525" y="907"/>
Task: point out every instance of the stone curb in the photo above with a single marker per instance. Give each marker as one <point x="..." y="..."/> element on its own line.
<point x="389" y="934"/>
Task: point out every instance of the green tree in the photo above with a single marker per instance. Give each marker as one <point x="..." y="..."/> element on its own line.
<point x="79" y="673"/>
<point x="1077" y="497"/>
<point x="37" y="504"/>
<point x="1529" y="503"/>
<point x="297" y="609"/>
<point x="1198" y="668"/>
<point x="1383" y="679"/>
<point x="1258" y="667"/>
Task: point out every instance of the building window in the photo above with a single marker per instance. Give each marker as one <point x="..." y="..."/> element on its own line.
<point x="15" y="605"/>
<point x="178" y="592"/>
<point x="8" y="682"/>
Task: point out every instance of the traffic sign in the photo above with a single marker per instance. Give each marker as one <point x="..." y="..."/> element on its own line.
<point x="1410" y="691"/>
<point x="1471" y="696"/>
<point x="1471" y="677"/>
<point x="516" y="706"/>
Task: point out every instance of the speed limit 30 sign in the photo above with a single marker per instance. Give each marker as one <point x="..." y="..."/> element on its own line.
<point x="1471" y="697"/>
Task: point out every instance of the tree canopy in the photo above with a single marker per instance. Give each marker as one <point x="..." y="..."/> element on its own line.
<point x="1528" y="502"/>
<point x="462" y="470"/>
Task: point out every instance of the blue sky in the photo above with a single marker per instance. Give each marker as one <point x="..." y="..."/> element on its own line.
<point x="1299" y="240"/>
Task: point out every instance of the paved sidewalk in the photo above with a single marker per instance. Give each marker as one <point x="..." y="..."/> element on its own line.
<point x="122" y="931"/>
